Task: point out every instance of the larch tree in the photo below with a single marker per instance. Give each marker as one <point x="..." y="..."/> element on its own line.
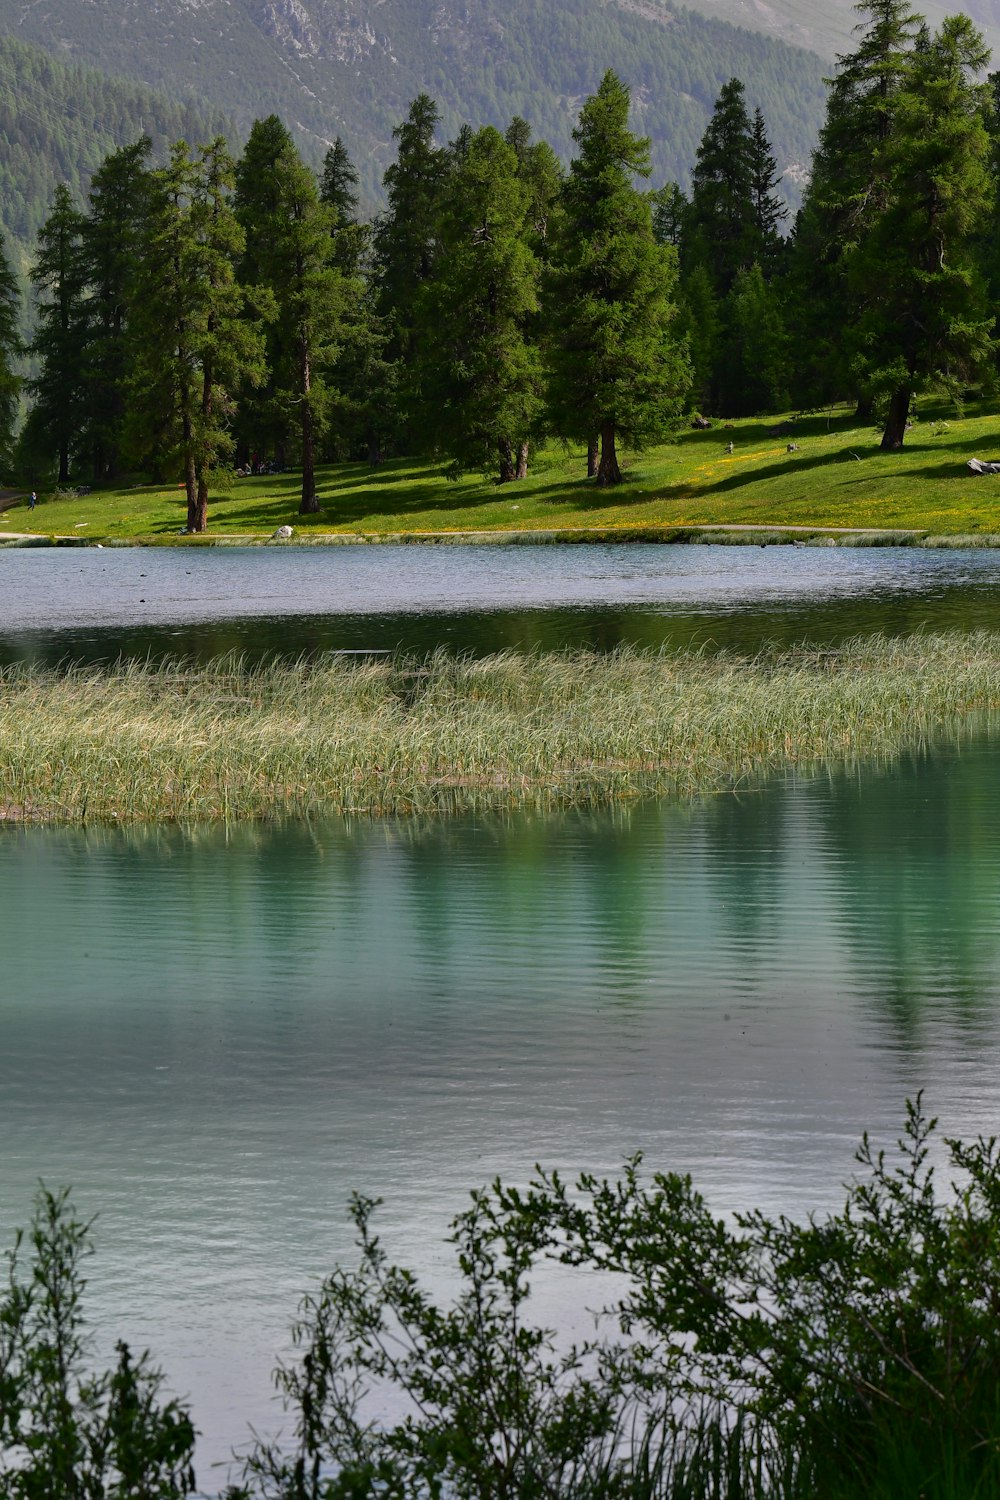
<point x="191" y="344"/>
<point x="289" y="256"/>
<point x="926" y="318"/>
<point x="769" y="212"/>
<point x="112" y="237"/>
<point x="618" y="367"/>
<point x="404" y="250"/>
<point x="722" y="227"/>
<point x="10" y="350"/>
<point x="483" y="376"/>
<point x="339" y="185"/>
<point x="60" y="341"/>
<point x="848" y="190"/>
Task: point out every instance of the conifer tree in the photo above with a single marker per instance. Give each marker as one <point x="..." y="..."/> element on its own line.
<point x="670" y="214"/>
<point x="617" y="366"/>
<point x="289" y="256"/>
<point x="540" y="171"/>
<point x="191" y="344"/>
<point x="769" y="212"/>
<point x="60" y="341"/>
<point x="404" y="244"/>
<point x="848" y="190"/>
<point x="339" y="185"/>
<point x="925" y="316"/>
<point x="752" y="371"/>
<point x="10" y="349"/>
<point x="482" y="383"/>
<point x="723" y="223"/>
<point x="112" y="236"/>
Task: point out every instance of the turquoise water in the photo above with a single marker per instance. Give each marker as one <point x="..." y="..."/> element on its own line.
<point x="215" y="1036"/>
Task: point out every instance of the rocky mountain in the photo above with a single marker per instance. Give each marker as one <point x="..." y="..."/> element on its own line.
<point x="332" y="67"/>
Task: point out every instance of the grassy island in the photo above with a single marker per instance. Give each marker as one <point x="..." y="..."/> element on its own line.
<point x="379" y="737"/>
<point x="835" y="479"/>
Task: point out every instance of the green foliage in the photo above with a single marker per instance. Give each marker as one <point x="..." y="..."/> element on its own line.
<point x="616" y="365"/>
<point x="753" y="367"/>
<point x="10" y="349"/>
<point x="190" y="343"/>
<point x="289" y="260"/>
<point x="482" y="381"/>
<point x="60" y="342"/>
<point x="404" y="245"/>
<point x="929" y="320"/>
<point x="111" y="245"/>
<point x="67" y="1433"/>
<point x="722" y="227"/>
<point x="855" y="1355"/>
<point x="59" y="120"/>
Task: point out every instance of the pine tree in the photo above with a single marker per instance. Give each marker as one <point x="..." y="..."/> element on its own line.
<point x="10" y="349"/>
<point x="752" y="365"/>
<point x="482" y="380"/>
<point x="60" y="341"/>
<point x="847" y="192"/>
<point x="926" y="317"/>
<point x="617" y="368"/>
<point x="723" y="225"/>
<point x="540" y="171"/>
<point x="404" y="245"/>
<point x="670" y="214"/>
<point x="339" y="185"/>
<point x="191" y="345"/>
<point x="768" y="210"/>
<point x="289" y="235"/>
<point x="112" y="236"/>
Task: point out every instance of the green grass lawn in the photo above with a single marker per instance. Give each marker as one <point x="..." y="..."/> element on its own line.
<point x="837" y="477"/>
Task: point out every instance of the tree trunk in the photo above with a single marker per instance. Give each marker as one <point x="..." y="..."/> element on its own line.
<point x="592" y="451"/>
<point x="200" y="506"/>
<point x="64" y="462"/>
<point x="310" y="500"/>
<point x="522" y="461"/>
<point x="190" y="478"/>
<point x="374" y="448"/>
<point x="507" y="469"/>
<point x="865" y="409"/>
<point x="608" y="471"/>
<point x="895" y="422"/>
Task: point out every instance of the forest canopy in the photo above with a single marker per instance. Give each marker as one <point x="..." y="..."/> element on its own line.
<point x="217" y="312"/>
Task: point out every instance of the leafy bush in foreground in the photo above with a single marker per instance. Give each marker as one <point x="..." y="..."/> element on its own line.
<point x="858" y="1355"/>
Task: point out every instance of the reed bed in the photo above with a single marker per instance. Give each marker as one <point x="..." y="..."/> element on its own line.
<point x="141" y="743"/>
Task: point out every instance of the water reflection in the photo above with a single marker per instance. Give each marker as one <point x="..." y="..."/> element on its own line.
<point x="215" y="1035"/>
<point x="93" y="606"/>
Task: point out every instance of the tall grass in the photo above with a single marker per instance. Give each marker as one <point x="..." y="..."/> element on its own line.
<point x="178" y="742"/>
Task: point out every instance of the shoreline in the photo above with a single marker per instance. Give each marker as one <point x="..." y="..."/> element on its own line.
<point x="709" y="534"/>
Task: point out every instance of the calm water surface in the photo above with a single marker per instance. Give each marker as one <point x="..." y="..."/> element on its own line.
<point x="215" y="1038"/>
<point x="88" y="605"/>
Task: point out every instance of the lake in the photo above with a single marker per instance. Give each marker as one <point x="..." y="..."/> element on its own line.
<point x="215" y="1035"/>
<point x="94" y="605"/>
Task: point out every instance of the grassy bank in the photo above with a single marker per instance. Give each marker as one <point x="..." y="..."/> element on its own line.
<point x="139" y="743"/>
<point x="836" y="477"/>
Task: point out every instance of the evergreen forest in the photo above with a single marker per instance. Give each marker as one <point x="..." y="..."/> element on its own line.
<point x="214" y="313"/>
<point x="329" y="70"/>
<point x="59" y="120"/>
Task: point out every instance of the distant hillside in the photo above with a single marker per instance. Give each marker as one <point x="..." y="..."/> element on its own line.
<point x="59" y="120"/>
<point x="332" y="67"/>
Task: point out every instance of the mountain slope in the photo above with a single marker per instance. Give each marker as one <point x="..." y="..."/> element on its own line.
<point x="332" y="67"/>
<point x="57" y="123"/>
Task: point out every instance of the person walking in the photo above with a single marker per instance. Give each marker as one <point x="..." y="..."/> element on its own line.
<point x="32" y="500"/>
